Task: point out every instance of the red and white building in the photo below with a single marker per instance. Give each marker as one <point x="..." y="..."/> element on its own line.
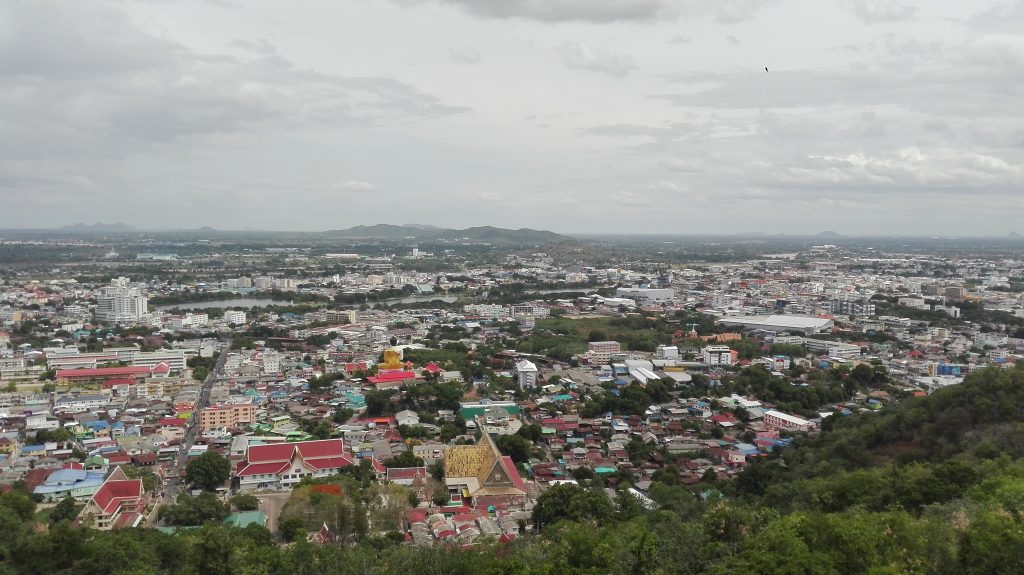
<point x="100" y="374"/>
<point x="283" y="465"/>
<point x="119" y="503"/>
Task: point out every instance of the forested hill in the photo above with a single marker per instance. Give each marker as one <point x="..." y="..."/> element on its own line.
<point x="934" y="485"/>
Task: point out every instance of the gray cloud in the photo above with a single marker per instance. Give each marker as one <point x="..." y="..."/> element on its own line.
<point x="464" y="54"/>
<point x="609" y="11"/>
<point x="876" y="11"/>
<point x="579" y="56"/>
<point x="903" y="168"/>
<point x="310" y="116"/>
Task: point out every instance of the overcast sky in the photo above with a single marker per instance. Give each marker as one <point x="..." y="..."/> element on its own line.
<point x="875" y="116"/>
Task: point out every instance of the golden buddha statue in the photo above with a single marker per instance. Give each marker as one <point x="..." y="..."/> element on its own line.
<point x="392" y="359"/>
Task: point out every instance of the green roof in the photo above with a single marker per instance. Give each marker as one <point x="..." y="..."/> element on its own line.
<point x="471" y="412"/>
<point x="246" y="518"/>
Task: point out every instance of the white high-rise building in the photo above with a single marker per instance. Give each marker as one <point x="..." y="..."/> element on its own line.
<point x="526" y="372"/>
<point x="121" y="302"/>
<point x="234" y="316"/>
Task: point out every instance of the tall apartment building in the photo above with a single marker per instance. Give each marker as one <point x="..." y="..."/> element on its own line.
<point x="526" y="372"/>
<point x="859" y="307"/>
<point x="121" y="302"/>
<point x="225" y="416"/>
<point x="600" y="352"/>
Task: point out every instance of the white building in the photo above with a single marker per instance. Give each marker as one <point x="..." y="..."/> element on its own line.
<point x="526" y="372"/>
<point x="646" y="296"/>
<point x="718" y="355"/>
<point x="234" y="316"/>
<point x="780" y="420"/>
<point x="174" y="358"/>
<point x="670" y="352"/>
<point x="121" y="302"/>
<point x="790" y="323"/>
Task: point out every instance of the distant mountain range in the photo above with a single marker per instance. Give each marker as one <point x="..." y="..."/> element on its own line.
<point x="486" y="234"/>
<point x="98" y="227"/>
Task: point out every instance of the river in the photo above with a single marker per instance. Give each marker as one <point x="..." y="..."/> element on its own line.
<point x="243" y="302"/>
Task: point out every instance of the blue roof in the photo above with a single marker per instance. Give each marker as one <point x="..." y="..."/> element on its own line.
<point x="30" y="448"/>
<point x="68" y="479"/>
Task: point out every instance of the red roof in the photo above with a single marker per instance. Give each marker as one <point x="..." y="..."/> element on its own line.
<point x="432" y="367"/>
<point x="261" y="468"/>
<point x="328" y="462"/>
<point x="391" y="376"/>
<point x="173" y="422"/>
<point x="307" y="449"/>
<point x="317" y="455"/>
<point x="512" y="472"/>
<point x="126" y="520"/>
<point x="138" y="371"/>
<point x="115" y="492"/>
<point x="112" y="382"/>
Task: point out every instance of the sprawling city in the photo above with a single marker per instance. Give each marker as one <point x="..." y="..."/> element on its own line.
<point x="511" y="287"/>
<point x="441" y="391"/>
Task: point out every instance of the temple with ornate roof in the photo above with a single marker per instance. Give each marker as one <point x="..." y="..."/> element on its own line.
<point x="479" y="475"/>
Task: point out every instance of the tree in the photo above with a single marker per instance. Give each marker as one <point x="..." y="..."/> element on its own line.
<point x="405" y="459"/>
<point x="342" y="414"/>
<point x="571" y="502"/>
<point x="64" y="510"/>
<point x="515" y="446"/>
<point x="189" y="510"/>
<point x="245" y="502"/>
<point x="208" y="471"/>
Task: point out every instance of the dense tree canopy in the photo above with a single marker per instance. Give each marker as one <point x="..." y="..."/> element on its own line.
<point x="208" y="471"/>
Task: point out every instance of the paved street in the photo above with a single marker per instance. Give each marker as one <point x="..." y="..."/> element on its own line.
<point x="174" y="484"/>
<point x="271" y="504"/>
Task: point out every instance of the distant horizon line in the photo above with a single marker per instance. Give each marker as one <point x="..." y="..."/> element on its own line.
<point x="85" y="229"/>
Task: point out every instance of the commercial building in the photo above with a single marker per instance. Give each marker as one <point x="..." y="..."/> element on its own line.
<point x="719" y="355"/>
<point x="646" y="296"/>
<point x="600" y="352"/>
<point x="779" y="323"/>
<point x="226" y="416"/>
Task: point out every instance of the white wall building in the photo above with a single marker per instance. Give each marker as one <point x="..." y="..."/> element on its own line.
<point x="234" y="316"/>
<point x="526" y="372"/>
<point x="717" y="355"/>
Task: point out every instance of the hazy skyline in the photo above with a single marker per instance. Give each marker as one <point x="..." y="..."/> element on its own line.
<point x="578" y="116"/>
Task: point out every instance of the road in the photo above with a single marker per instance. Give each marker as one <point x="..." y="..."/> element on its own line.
<point x="271" y="504"/>
<point x="174" y="484"/>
